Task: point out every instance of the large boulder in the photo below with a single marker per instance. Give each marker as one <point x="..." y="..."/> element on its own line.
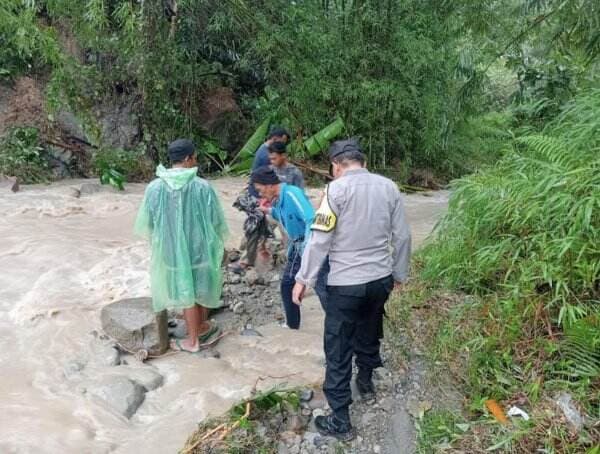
<point x="118" y="393"/>
<point x="135" y="326"/>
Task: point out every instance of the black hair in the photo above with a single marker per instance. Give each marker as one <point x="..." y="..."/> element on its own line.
<point x="350" y="155"/>
<point x="278" y="131"/>
<point x="277" y="147"/>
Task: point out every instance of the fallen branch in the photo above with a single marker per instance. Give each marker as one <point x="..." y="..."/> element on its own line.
<point x="312" y="169"/>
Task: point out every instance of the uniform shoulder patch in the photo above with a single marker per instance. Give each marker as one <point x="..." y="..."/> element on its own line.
<point x="325" y="218"/>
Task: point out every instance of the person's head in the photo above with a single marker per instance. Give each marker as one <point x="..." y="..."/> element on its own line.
<point x="345" y="155"/>
<point x="266" y="182"/>
<point x="182" y="153"/>
<point x="277" y="154"/>
<point x="278" y="134"/>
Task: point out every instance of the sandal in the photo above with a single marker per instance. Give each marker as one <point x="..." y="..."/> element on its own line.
<point x="212" y="331"/>
<point x="180" y="347"/>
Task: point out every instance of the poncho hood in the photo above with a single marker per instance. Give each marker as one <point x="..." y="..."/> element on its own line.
<point x="176" y="178"/>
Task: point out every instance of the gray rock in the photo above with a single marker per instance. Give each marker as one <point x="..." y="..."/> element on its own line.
<point x="104" y="354"/>
<point x="119" y="393"/>
<point x="89" y="188"/>
<point x="233" y="278"/>
<point x="367" y="418"/>
<point x="567" y="405"/>
<point x="311" y="438"/>
<point x="253" y="278"/>
<point x="239" y="308"/>
<point x="295" y="423"/>
<point x="9" y="183"/>
<point x="318" y="412"/>
<point x="146" y="377"/>
<point x="306" y="395"/>
<point x="70" y="125"/>
<point x="318" y="400"/>
<point x="135" y="326"/>
<point x="119" y="125"/>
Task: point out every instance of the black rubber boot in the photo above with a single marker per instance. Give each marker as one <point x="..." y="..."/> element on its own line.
<point x="335" y="427"/>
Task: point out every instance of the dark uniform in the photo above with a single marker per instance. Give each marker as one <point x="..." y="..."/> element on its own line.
<point x="361" y="227"/>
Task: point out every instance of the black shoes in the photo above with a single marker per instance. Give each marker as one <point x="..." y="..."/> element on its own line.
<point x="334" y="427"/>
<point x="366" y="389"/>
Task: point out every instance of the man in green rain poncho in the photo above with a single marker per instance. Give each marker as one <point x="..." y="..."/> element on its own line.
<point x="183" y="219"/>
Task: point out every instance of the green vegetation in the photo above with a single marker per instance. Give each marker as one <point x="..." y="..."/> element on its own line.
<point x="22" y="156"/>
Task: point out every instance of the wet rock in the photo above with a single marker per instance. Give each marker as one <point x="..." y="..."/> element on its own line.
<point x="134" y="325"/>
<point x="318" y="412"/>
<point x="306" y="395"/>
<point x="376" y="449"/>
<point x="146" y="377"/>
<point x="567" y="405"/>
<point x="119" y="393"/>
<point x="239" y="308"/>
<point x="311" y="438"/>
<point x="9" y="183"/>
<point x="89" y="188"/>
<point x="104" y="354"/>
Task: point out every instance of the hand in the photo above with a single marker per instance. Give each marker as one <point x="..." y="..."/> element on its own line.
<point x="398" y="286"/>
<point x="264" y="205"/>
<point x="298" y="293"/>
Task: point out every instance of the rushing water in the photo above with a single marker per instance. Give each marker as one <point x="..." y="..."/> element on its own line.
<point x="61" y="259"/>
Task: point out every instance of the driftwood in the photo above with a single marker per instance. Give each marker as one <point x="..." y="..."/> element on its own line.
<point x="319" y="172"/>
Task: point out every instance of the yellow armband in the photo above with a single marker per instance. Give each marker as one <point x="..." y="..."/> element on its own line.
<point x="325" y="218"/>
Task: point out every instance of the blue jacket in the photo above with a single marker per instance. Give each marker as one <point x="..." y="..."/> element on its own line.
<point x="295" y="212"/>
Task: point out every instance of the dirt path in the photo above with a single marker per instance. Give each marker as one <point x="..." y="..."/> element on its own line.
<point x="62" y="259"/>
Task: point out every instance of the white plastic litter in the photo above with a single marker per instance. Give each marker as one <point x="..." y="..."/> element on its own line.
<point x="516" y="411"/>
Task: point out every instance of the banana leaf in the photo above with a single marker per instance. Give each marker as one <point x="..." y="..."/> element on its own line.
<point x="255" y="141"/>
<point x="320" y="141"/>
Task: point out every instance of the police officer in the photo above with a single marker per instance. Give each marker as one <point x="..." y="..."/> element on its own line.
<point x="361" y="226"/>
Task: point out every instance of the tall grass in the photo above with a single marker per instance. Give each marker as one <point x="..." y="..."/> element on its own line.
<point x="529" y="227"/>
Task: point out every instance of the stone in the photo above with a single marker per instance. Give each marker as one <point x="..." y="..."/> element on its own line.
<point x="418" y="408"/>
<point x="70" y="125"/>
<point x="118" y="393"/>
<point x="318" y="412"/>
<point x="367" y="418"/>
<point x="311" y="438"/>
<point x="295" y="423"/>
<point x="387" y="404"/>
<point x="376" y="449"/>
<point x="9" y="183"/>
<point x="233" y="278"/>
<point x="146" y="377"/>
<point x="306" y="395"/>
<point x="252" y="277"/>
<point x="565" y="402"/>
<point x="135" y="326"/>
<point x="318" y="400"/>
<point x="268" y="302"/>
<point x="89" y="188"/>
<point x="239" y="308"/>
<point x="104" y="354"/>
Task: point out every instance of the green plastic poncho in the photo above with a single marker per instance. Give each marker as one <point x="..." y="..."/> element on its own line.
<point x="183" y="219"/>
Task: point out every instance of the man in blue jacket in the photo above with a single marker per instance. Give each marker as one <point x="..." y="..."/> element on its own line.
<point x="292" y="209"/>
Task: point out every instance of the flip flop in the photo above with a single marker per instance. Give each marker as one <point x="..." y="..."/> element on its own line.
<point x="213" y="330"/>
<point x="181" y="348"/>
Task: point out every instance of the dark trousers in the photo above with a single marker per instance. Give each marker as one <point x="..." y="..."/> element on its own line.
<point x="353" y="325"/>
<point x="321" y="285"/>
<point x="288" y="279"/>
